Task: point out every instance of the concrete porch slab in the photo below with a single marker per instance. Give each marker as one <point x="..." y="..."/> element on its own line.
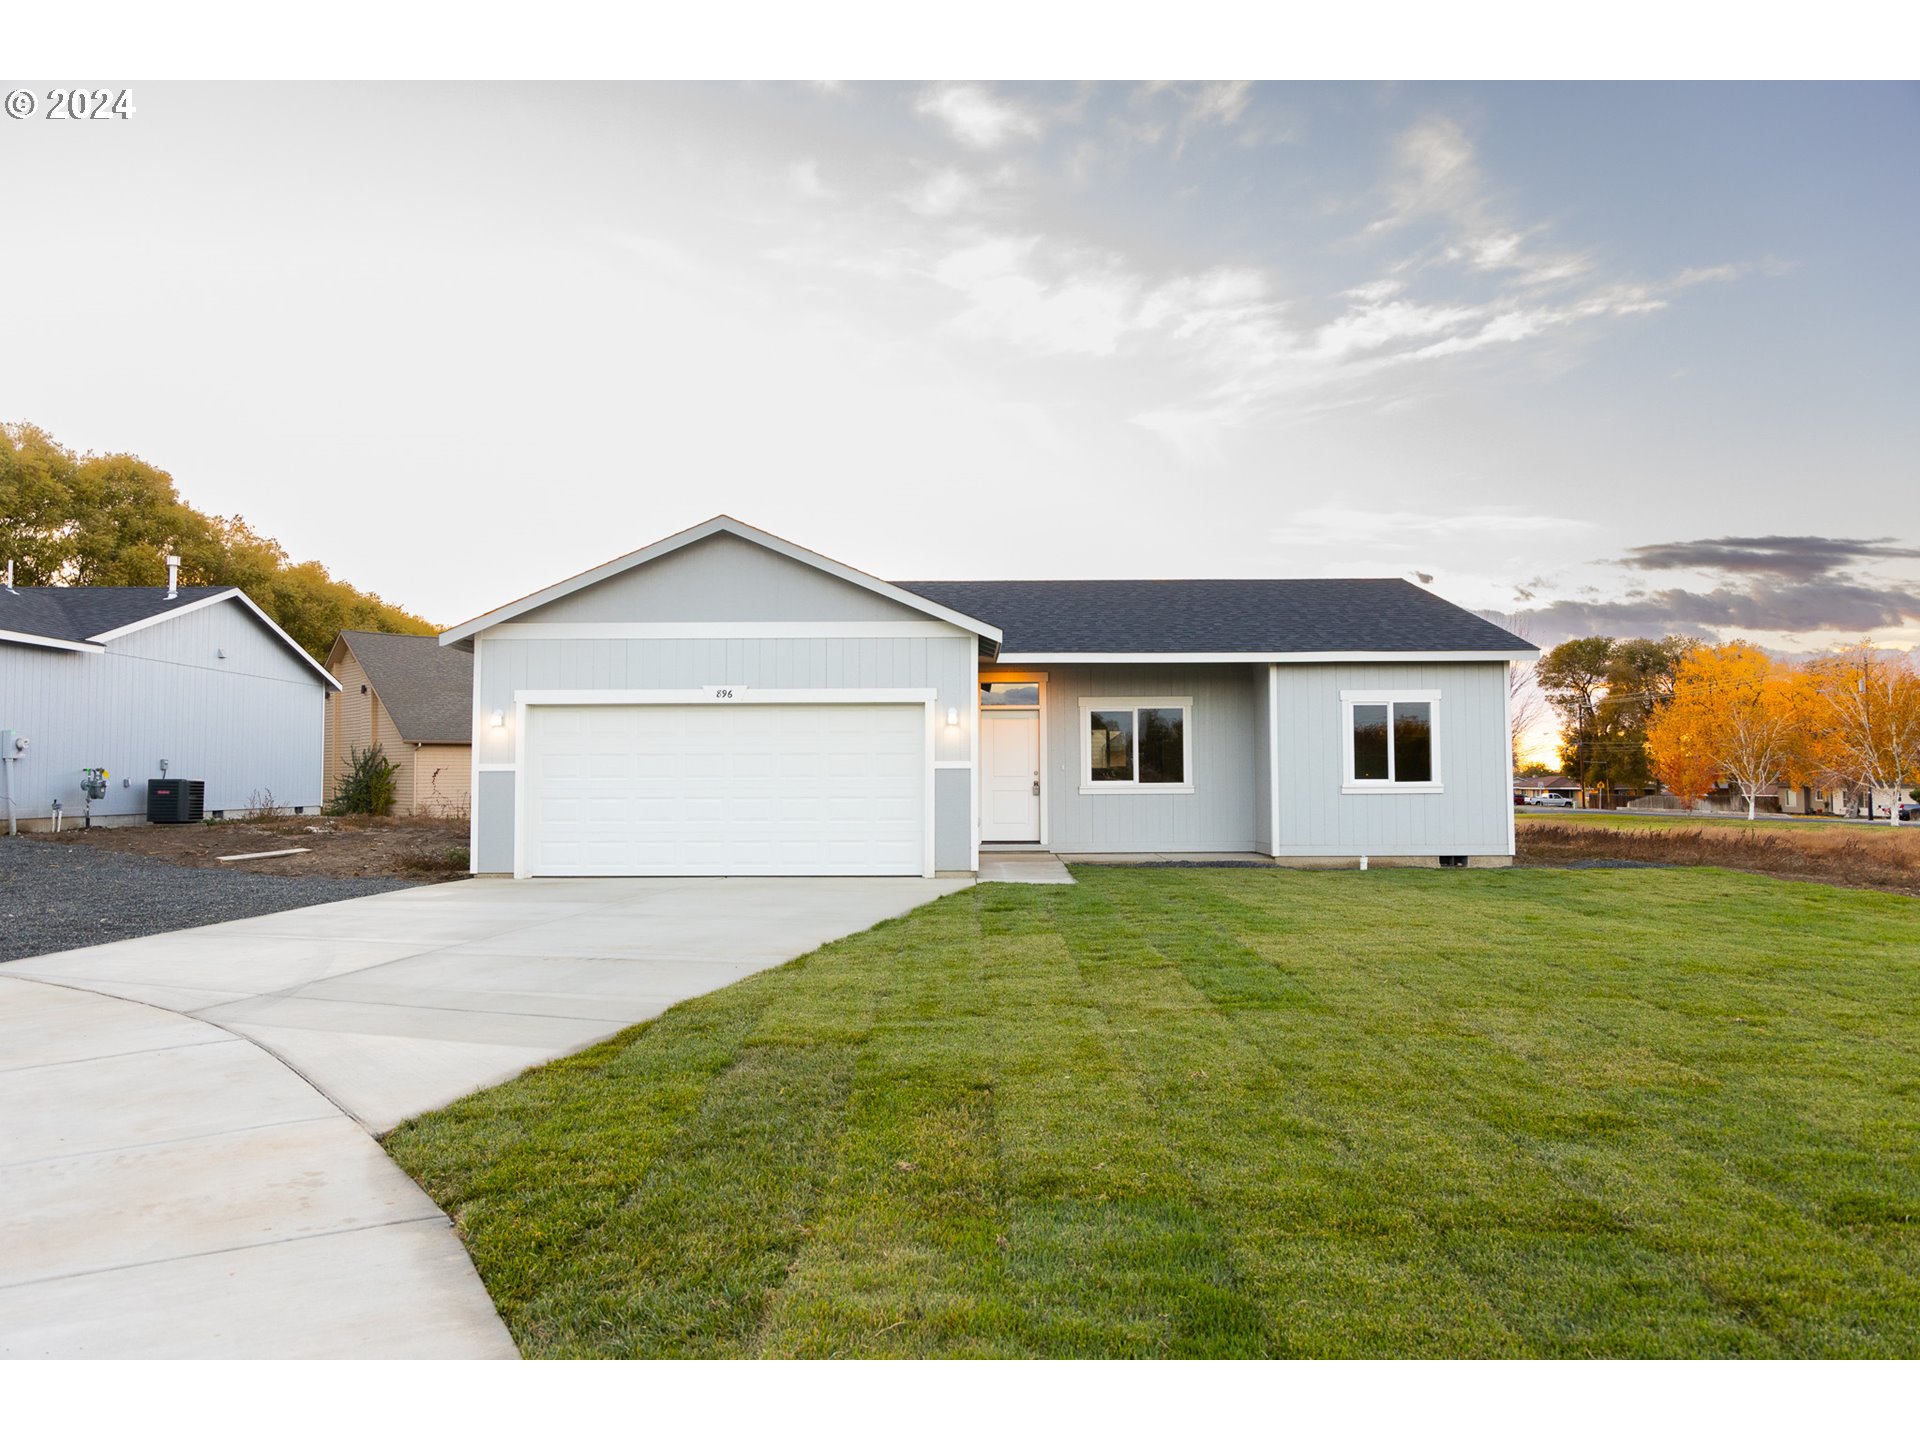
<point x="1022" y="868"/>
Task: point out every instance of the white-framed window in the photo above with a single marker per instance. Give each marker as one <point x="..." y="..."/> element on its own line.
<point x="1390" y="742"/>
<point x="1138" y="744"/>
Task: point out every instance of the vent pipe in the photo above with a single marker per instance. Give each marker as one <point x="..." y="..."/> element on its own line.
<point x="173" y="577"/>
<point x="9" y="574"/>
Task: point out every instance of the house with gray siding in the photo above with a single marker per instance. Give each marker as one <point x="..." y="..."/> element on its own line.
<point x="725" y="702"/>
<point x="124" y="678"/>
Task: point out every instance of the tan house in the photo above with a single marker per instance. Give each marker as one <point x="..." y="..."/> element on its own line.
<point x="414" y="698"/>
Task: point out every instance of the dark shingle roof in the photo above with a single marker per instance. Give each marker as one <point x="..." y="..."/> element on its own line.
<point x="1044" y="617"/>
<point x="79" y="612"/>
<point x="426" y="687"/>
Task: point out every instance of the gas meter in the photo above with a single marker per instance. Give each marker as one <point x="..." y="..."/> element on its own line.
<point x="93" y="784"/>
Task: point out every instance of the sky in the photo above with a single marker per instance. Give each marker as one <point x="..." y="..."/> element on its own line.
<point x="1625" y="358"/>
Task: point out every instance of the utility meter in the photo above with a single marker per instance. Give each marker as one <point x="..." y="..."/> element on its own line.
<point x="12" y="743"/>
<point x="93" y="784"/>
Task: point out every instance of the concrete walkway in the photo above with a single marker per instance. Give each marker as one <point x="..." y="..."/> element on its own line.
<point x="173" y="1189"/>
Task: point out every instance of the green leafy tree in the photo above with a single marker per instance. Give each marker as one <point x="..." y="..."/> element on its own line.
<point x="67" y="519"/>
<point x="1606" y="692"/>
<point x="1573" y="677"/>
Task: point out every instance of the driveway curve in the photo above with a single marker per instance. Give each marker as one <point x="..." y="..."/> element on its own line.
<point x="175" y="1191"/>
<point x="187" y="1120"/>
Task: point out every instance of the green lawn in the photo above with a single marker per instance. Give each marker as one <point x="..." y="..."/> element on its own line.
<point x="1240" y="1112"/>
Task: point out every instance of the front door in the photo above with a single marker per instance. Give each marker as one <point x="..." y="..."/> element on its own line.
<point x="1010" y="775"/>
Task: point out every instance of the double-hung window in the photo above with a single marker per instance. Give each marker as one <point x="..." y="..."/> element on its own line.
<point x="1390" y="741"/>
<point x="1135" y="743"/>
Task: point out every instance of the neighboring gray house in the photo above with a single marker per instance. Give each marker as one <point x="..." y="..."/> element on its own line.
<point x="725" y="702"/>
<point x="120" y="678"/>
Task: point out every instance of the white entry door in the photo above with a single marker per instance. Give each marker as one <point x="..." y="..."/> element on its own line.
<point x="726" y="790"/>
<point x="1010" y="775"/>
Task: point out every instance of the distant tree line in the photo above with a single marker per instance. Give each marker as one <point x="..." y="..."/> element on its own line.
<point x="68" y="519"/>
<point x="1695" y="717"/>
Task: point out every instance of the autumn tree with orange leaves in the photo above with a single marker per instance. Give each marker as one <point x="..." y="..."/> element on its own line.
<point x="1735" y="713"/>
<point x="1862" y="719"/>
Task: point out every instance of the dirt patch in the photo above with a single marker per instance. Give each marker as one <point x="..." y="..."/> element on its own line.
<point x="1871" y="859"/>
<point x="347" y="847"/>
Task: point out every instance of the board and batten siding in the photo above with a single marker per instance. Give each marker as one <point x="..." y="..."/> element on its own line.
<point x="1470" y="815"/>
<point x="1220" y="812"/>
<point x="249" y="724"/>
<point x="504" y="666"/>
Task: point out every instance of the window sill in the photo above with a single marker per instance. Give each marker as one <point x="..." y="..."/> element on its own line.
<point x="1389" y="787"/>
<point x="1128" y="787"/>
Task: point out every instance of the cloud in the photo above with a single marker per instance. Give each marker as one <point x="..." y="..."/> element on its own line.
<point x="1437" y="178"/>
<point x="1085" y="310"/>
<point x="1798" y="557"/>
<point x="805" y="178"/>
<point x="942" y="193"/>
<point x="1330" y="525"/>
<point x="977" y="117"/>
<point x="1791" y="608"/>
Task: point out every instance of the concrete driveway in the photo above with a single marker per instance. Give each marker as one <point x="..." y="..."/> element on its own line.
<point x="186" y="1119"/>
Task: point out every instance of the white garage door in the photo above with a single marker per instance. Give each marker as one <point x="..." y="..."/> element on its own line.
<point x="726" y="789"/>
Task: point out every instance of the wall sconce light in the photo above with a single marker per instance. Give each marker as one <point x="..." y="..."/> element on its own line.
<point x="499" y="719"/>
<point x="953" y="716"/>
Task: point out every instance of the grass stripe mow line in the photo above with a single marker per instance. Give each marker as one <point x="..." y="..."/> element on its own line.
<point x="1190" y="940"/>
<point x="1622" y="1113"/>
<point x="1703" y="1161"/>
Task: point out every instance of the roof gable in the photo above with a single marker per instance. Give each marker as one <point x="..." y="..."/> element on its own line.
<point x="88" y="617"/>
<point x="719" y="526"/>
<point x="427" y="688"/>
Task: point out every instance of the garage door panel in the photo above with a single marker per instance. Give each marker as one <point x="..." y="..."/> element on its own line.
<point x="726" y="790"/>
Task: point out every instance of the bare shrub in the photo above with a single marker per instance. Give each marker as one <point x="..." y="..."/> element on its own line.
<point x="1836" y="854"/>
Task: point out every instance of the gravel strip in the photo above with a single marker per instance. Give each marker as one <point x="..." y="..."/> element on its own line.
<point x="62" y="897"/>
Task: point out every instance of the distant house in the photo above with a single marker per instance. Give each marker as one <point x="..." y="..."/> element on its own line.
<point x="1837" y="799"/>
<point x="130" y="679"/>
<point x="1532" y="787"/>
<point x="413" y="698"/>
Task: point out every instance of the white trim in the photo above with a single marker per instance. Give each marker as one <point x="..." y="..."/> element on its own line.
<point x="1271" y="657"/>
<point x="973" y="764"/>
<point x="1273" y="760"/>
<point x="48" y="642"/>
<point x="1387" y="697"/>
<point x="496" y="767"/>
<point x="206" y="600"/>
<point x="725" y="630"/>
<point x="996" y="674"/>
<point x="1512" y="779"/>
<point x="720" y="524"/>
<point x="929" y="865"/>
<point x="953" y="764"/>
<point x="178" y="609"/>
<point x="746" y="696"/>
<point x="523" y="700"/>
<point x="473" y="759"/>
<point x="1090" y="703"/>
<point x="1389" y="786"/>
